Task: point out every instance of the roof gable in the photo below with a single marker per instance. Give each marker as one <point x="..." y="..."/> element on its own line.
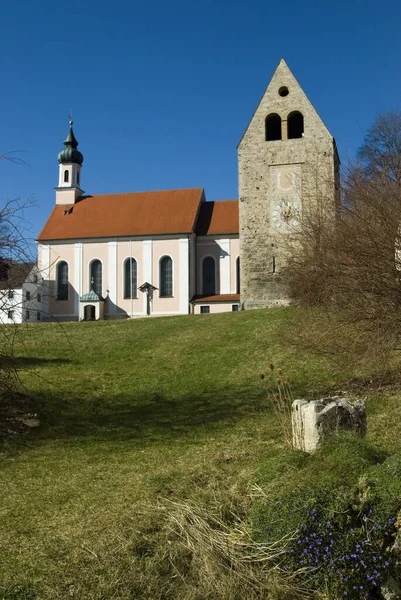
<point x="271" y="102"/>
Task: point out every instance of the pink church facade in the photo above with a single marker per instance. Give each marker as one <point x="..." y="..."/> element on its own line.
<point x="132" y="255"/>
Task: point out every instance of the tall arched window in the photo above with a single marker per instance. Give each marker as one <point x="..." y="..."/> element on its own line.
<point x="166" y="277"/>
<point x="209" y="276"/>
<point x="295" y="124"/>
<point x="130" y="278"/>
<point x="66" y="176"/>
<point x="96" y="276"/>
<point x="273" y="127"/>
<point x="237" y="271"/>
<point x="77" y="177"/>
<point x="62" y="280"/>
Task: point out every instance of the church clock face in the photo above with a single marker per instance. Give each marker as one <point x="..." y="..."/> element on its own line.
<point x="286" y="214"/>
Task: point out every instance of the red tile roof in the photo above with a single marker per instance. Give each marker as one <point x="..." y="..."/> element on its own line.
<point x="219" y="217"/>
<point x="216" y="298"/>
<point x="116" y="215"/>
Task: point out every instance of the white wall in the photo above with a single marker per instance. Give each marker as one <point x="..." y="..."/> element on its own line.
<point x="27" y="301"/>
<point x="215" y="307"/>
<point x="225" y="251"/>
<point x="14" y="305"/>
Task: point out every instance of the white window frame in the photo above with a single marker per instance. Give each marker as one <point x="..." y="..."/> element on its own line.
<point x="123" y="279"/>
<point x="172" y="275"/>
<point x="89" y="272"/>
<point x="61" y="260"/>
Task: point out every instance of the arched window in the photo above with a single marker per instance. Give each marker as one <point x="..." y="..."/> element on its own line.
<point x="166" y="277"/>
<point x="209" y="276"/>
<point x="66" y="176"/>
<point x="273" y="127"/>
<point x="130" y="278"/>
<point x="78" y="178"/>
<point x="238" y="287"/>
<point x="96" y="276"/>
<point x="62" y="280"/>
<point x="295" y="124"/>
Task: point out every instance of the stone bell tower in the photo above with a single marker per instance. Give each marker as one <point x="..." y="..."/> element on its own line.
<point x="288" y="166"/>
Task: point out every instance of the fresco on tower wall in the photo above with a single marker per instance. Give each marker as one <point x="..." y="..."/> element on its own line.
<point x="286" y="198"/>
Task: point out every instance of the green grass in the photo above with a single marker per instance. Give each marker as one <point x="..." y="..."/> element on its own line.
<point x="135" y="414"/>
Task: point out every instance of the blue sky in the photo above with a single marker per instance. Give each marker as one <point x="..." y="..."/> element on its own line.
<point x="161" y="92"/>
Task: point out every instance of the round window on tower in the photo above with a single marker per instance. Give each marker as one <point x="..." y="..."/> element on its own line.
<point x="283" y="91"/>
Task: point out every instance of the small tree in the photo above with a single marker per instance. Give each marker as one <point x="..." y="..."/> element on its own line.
<point x="350" y="268"/>
<point x="14" y="248"/>
<point x="380" y="153"/>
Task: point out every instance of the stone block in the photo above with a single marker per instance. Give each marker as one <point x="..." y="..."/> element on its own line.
<point x="313" y="422"/>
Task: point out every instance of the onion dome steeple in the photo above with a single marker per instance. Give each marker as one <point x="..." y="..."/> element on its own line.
<point x="70" y="154"/>
<point x="70" y="161"/>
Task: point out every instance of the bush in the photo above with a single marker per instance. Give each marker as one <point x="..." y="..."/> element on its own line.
<point x="17" y="592"/>
<point x="347" y="270"/>
<point x="340" y="536"/>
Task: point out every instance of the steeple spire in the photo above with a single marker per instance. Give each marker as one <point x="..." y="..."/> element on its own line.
<point x="70" y="160"/>
<point x="70" y="154"/>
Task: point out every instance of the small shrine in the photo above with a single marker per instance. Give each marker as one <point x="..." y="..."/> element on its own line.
<point x="148" y="289"/>
<point x="91" y="306"/>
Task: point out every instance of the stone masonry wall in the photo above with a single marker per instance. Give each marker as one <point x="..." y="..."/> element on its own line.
<point x="311" y="160"/>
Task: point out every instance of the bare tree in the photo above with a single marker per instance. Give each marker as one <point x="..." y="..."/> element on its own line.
<point x="380" y="153"/>
<point x="15" y="252"/>
<point x="349" y="270"/>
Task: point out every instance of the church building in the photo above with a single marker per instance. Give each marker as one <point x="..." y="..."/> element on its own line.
<point x="171" y="252"/>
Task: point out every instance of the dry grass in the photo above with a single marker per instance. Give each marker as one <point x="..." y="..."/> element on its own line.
<point x="219" y="557"/>
<point x="281" y="398"/>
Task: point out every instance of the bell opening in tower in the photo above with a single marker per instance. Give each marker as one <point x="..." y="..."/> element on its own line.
<point x="295" y="124"/>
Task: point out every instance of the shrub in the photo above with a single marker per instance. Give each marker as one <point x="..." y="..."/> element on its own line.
<point x="341" y="535"/>
<point x="17" y="592"/>
<point x="347" y="269"/>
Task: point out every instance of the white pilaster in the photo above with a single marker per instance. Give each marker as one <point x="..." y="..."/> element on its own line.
<point x="225" y="271"/>
<point x="44" y="257"/>
<point x="147" y="267"/>
<point x="112" y="275"/>
<point x="77" y="275"/>
<point x="184" y="276"/>
<point x="192" y="265"/>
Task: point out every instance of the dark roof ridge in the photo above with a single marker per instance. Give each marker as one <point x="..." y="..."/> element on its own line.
<point x="229" y="200"/>
<point x="200" y="189"/>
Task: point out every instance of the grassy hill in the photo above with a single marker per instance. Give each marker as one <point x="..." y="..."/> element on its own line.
<point x="136" y="416"/>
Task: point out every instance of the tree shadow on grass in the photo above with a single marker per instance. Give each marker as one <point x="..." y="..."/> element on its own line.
<point x="16" y="404"/>
<point x="26" y="362"/>
<point x="143" y="418"/>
